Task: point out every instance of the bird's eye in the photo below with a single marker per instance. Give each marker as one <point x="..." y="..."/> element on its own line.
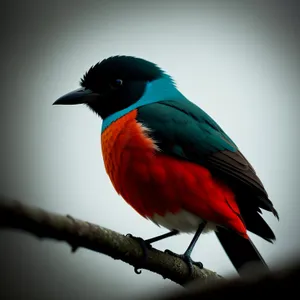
<point x="115" y="84"/>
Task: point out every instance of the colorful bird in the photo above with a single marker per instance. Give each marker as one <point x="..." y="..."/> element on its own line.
<point x="171" y="161"/>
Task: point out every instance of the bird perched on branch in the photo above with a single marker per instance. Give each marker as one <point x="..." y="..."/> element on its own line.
<point x="171" y="161"/>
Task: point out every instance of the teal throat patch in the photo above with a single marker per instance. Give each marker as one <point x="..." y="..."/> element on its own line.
<point x="158" y="90"/>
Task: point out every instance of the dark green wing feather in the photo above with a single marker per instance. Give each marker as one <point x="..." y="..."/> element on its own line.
<point x="184" y="130"/>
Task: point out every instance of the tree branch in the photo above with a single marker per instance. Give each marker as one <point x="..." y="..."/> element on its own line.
<point x="272" y="285"/>
<point x="78" y="233"/>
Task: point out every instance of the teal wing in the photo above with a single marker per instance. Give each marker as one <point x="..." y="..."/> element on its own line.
<point x="185" y="131"/>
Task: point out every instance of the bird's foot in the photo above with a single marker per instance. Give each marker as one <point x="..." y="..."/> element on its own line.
<point x="145" y="246"/>
<point x="187" y="259"/>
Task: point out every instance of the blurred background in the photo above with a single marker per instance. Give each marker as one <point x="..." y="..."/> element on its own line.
<point x="238" y="60"/>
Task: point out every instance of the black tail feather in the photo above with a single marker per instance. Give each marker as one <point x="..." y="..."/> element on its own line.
<point x="257" y="225"/>
<point x="269" y="206"/>
<point x="240" y="251"/>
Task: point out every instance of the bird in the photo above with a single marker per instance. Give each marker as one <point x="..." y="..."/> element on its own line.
<point x="171" y="162"/>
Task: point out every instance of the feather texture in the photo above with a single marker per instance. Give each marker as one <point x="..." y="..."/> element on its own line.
<point x="185" y="132"/>
<point x="154" y="183"/>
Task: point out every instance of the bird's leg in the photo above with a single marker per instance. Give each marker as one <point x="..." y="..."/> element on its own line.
<point x="186" y="256"/>
<point x="146" y="244"/>
<point x="162" y="236"/>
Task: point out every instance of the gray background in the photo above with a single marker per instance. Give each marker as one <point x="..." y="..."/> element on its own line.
<point x="238" y="60"/>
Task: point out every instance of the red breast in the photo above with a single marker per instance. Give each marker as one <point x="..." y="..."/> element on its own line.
<point x="156" y="185"/>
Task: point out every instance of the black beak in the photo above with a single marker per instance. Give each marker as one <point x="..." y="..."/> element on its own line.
<point x="79" y="96"/>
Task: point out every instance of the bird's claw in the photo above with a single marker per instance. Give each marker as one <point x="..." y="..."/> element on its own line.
<point x="145" y="246"/>
<point x="187" y="259"/>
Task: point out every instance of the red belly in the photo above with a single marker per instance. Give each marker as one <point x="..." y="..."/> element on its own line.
<point x="153" y="183"/>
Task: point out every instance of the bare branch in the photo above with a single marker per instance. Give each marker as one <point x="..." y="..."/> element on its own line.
<point x="78" y="233"/>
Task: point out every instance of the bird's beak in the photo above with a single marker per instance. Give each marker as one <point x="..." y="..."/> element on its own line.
<point x="79" y="96"/>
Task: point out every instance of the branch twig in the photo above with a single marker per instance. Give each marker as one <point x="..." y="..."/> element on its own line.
<point x="77" y="233"/>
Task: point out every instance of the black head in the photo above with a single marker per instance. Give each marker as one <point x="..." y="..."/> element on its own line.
<point x="113" y="84"/>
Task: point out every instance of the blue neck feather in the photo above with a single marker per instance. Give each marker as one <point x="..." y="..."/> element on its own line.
<point x="159" y="90"/>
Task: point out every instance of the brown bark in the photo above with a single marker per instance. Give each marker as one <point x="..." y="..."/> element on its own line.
<point x="78" y="233"/>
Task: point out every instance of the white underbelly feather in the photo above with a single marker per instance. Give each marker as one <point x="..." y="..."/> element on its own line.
<point x="182" y="221"/>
